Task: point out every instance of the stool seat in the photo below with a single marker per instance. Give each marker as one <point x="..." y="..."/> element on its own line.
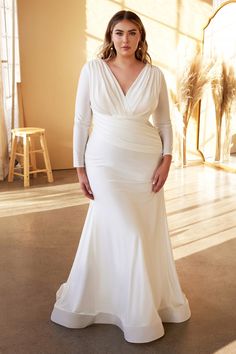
<point x="28" y="135"/>
<point x="28" y="130"/>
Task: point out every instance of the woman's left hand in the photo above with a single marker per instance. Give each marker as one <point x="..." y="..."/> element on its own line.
<point x="161" y="173"/>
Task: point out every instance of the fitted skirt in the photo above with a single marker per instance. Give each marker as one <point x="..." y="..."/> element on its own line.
<point x="123" y="271"/>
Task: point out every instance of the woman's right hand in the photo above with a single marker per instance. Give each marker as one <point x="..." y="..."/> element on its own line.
<point x="84" y="182"/>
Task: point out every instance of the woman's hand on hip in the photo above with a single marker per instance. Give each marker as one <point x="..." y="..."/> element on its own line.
<point x="161" y="173"/>
<point x="84" y="182"/>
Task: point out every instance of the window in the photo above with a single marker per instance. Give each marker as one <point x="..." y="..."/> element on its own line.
<point x="10" y="62"/>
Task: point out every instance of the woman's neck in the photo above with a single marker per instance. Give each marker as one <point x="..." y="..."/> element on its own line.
<point x="124" y="61"/>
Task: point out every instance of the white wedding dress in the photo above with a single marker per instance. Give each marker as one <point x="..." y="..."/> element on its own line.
<point x="123" y="272"/>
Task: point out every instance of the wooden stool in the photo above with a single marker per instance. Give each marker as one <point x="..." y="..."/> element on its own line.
<point x="28" y="135"/>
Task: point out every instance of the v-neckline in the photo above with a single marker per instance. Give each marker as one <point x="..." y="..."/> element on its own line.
<point x="117" y="82"/>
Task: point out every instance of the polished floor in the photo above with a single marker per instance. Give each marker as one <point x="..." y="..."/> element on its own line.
<point x="39" y="233"/>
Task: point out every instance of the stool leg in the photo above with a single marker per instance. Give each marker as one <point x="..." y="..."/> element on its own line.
<point x="26" y="161"/>
<point x="12" y="158"/>
<point x="46" y="157"/>
<point x="20" y="149"/>
<point x="32" y="156"/>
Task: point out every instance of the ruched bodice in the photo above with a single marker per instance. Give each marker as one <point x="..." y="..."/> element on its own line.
<point x="107" y="96"/>
<point x="116" y="130"/>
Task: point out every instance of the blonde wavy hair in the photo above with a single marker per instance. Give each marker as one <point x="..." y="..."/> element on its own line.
<point x="108" y="51"/>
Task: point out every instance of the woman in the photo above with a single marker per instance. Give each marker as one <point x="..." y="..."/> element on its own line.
<point x="123" y="272"/>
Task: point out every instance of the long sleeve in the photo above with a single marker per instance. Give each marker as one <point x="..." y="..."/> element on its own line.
<point x="161" y="118"/>
<point x="82" y="119"/>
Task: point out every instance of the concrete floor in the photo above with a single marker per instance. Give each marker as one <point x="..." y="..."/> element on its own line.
<point x="38" y="241"/>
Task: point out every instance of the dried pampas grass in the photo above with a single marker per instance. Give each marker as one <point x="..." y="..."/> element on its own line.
<point x="191" y="83"/>
<point x="223" y="86"/>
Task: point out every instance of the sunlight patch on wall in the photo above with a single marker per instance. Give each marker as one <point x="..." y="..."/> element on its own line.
<point x="98" y="14"/>
<point x="155" y="9"/>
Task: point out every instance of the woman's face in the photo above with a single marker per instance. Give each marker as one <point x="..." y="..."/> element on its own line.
<point x="126" y="37"/>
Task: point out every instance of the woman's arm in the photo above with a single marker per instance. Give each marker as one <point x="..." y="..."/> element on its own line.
<point x="161" y="120"/>
<point x="82" y="119"/>
<point x="82" y="122"/>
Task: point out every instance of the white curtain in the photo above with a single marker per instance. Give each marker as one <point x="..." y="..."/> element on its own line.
<point x="3" y="137"/>
<point x="9" y="76"/>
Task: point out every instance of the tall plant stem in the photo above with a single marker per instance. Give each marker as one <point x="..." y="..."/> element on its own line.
<point x="218" y="137"/>
<point x="184" y="158"/>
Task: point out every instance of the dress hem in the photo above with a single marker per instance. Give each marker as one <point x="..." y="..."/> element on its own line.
<point x="141" y="334"/>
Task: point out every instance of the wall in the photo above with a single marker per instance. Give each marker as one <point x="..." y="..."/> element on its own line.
<point x="52" y="51"/>
<point x="57" y="37"/>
